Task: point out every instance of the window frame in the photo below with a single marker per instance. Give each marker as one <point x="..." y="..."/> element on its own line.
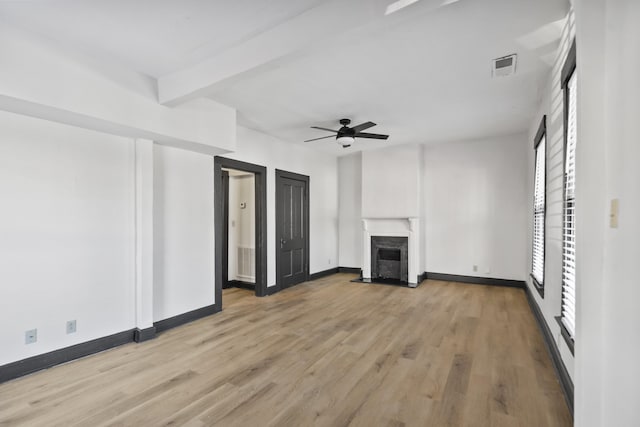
<point x="541" y="135"/>
<point x="568" y="71"/>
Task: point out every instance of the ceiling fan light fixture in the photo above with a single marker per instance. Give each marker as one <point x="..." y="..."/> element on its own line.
<point x="345" y="140"/>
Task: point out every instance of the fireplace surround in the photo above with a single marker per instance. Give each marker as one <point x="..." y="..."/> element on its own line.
<point x="407" y="228"/>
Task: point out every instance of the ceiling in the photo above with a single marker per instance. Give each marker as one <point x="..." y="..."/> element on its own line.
<point x="423" y="73"/>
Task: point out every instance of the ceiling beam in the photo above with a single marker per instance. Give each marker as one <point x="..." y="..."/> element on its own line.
<point x="320" y="23"/>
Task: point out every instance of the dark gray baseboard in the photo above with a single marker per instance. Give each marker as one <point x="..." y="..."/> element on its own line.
<point x="561" y="371"/>
<point x="422" y="277"/>
<point x="63" y="355"/>
<point x="329" y="272"/>
<point x="324" y="273"/>
<point x="351" y="270"/>
<point x="190" y="316"/>
<point x="242" y="284"/>
<point x="476" y="280"/>
<point x="273" y="289"/>
<point x="142" y="335"/>
<point x="67" y="354"/>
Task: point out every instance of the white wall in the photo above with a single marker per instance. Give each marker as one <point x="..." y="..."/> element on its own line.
<point x="475" y="207"/>
<point x="622" y="317"/>
<point x="183" y="232"/>
<point x="259" y="148"/>
<point x="350" y="210"/>
<point x="390" y="182"/>
<point x="242" y="222"/>
<point x="551" y="105"/>
<point x="607" y="330"/>
<point x="471" y="198"/>
<point x="66" y="235"/>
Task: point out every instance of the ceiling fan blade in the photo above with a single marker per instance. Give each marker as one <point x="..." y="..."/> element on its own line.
<point x="329" y="130"/>
<point x="370" y="135"/>
<point x="322" y="137"/>
<point x="363" y="126"/>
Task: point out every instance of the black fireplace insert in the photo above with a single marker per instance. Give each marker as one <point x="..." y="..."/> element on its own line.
<point x="390" y="258"/>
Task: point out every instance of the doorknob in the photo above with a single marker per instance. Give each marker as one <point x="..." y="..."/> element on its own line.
<point x="282" y="242"/>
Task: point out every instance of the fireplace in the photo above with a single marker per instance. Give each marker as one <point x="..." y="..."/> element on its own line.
<point x="397" y="237"/>
<point x="390" y="258"/>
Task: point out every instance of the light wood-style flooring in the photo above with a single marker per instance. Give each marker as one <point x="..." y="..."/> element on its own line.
<point x="326" y="353"/>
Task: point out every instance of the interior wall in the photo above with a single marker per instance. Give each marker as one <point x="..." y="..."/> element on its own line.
<point x="183" y="232"/>
<point x="622" y="325"/>
<point x="476" y="207"/>
<point x="242" y="223"/>
<point x="66" y="235"/>
<point x="259" y="148"/>
<point x="607" y="338"/>
<point x="622" y="337"/>
<point x="390" y="182"/>
<point x="551" y="105"/>
<point x="350" y="210"/>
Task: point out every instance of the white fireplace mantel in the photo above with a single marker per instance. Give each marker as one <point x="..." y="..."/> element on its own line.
<point x="408" y="227"/>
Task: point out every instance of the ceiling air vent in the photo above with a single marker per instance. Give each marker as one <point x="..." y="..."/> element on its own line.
<point x="505" y="66"/>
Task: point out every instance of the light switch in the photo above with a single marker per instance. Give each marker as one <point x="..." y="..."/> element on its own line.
<point x="613" y="215"/>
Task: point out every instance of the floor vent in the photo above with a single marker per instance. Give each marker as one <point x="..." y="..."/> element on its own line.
<point x="246" y="266"/>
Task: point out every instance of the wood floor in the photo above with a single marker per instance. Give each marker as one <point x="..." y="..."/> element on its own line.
<point x="327" y="353"/>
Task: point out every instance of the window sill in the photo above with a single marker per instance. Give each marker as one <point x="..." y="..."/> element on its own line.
<point x="565" y="335"/>
<point x="539" y="287"/>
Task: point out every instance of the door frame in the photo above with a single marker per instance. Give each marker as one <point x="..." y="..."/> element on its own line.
<point x="260" y="173"/>
<point x="280" y="174"/>
<point x="225" y="234"/>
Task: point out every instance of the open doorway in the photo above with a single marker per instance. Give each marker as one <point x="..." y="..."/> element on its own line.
<point x="240" y="226"/>
<point x="240" y="229"/>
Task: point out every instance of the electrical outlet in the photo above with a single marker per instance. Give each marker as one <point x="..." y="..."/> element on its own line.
<point x="71" y="327"/>
<point x="475" y="268"/>
<point x="31" y="336"/>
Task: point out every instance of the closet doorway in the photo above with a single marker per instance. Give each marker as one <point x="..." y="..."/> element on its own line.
<point x="240" y="226"/>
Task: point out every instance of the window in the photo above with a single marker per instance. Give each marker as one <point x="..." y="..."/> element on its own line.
<point x="568" y="315"/>
<point x="539" y="208"/>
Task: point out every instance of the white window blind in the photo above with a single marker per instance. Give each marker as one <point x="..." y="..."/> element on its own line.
<point x="537" y="265"/>
<point x="569" y="219"/>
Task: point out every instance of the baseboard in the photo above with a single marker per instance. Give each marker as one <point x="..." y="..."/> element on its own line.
<point x="476" y="280"/>
<point x="187" y="317"/>
<point x="47" y="360"/>
<point x="351" y="270"/>
<point x="422" y="277"/>
<point x="142" y="335"/>
<point x="242" y="284"/>
<point x="324" y="273"/>
<point x="273" y="290"/>
<point x="561" y="371"/>
<point x="63" y="355"/>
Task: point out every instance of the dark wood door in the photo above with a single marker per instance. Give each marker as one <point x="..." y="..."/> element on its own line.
<point x="292" y="228"/>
